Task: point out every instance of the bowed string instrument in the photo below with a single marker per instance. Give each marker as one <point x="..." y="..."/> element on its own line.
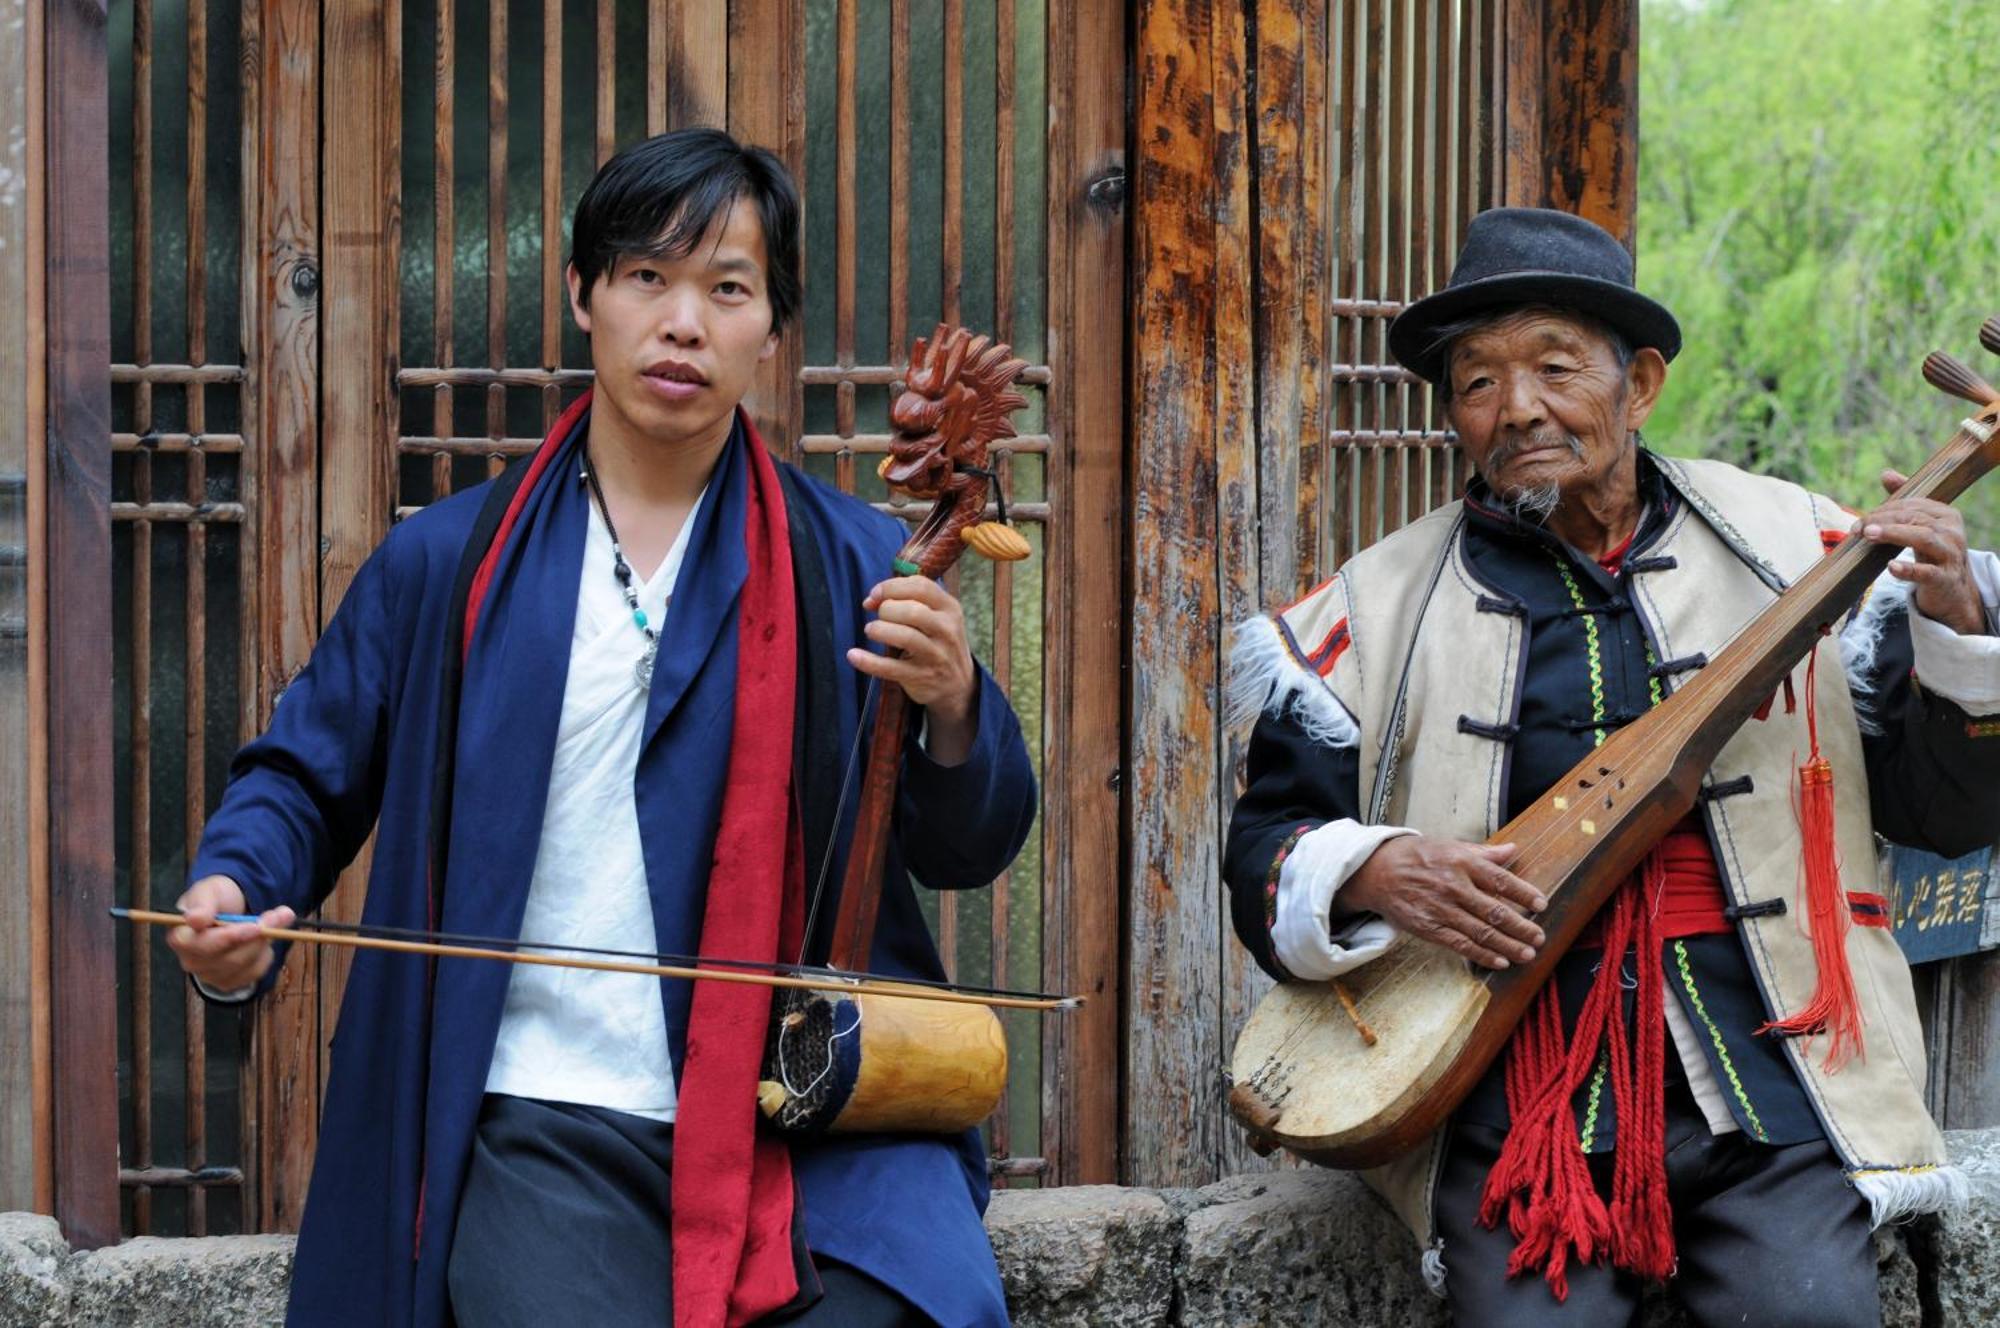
<point x="846" y="1051"/>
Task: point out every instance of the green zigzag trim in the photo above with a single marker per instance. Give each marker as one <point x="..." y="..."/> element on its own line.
<point x="1715" y="1037"/>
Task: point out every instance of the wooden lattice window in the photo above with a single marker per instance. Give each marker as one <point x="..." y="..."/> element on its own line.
<point x="1411" y="86"/>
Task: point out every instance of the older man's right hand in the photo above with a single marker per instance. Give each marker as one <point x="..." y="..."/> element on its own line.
<point x="1457" y="895"/>
<point x="227" y="956"/>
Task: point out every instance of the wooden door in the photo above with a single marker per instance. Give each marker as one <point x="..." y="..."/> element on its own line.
<point x="1303" y="170"/>
<point x="337" y="244"/>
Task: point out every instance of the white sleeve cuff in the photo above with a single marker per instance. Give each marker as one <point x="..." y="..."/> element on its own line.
<point x="1963" y="669"/>
<point x="1319" y="864"/>
<point x="236" y="997"/>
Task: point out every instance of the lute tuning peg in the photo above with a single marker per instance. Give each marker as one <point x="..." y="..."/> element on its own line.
<point x="1947" y="373"/>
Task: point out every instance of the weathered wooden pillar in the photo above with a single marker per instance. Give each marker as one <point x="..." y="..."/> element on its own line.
<point x="1192" y="508"/>
<point x="282" y="277"/>
<point x="23" y="898"/>
<point x="74" y="494"/>
<point x="1570" y="109"/>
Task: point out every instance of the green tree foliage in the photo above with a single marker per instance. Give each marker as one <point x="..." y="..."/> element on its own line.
<point x="1818" y="205"/>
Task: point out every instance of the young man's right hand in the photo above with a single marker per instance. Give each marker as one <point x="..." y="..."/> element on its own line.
<point x="225" y="956"/>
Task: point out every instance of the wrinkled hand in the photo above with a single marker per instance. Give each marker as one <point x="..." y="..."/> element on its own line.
<point x="1941" y="577"/>
<point x="917" y="617"/>
<point x="225" y="955"/>
<point x="1457" y="895"/>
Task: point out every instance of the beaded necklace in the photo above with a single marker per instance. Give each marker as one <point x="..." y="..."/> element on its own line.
<point x="643" y="669"/>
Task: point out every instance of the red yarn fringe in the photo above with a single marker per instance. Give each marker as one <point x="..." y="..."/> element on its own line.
<point x="1834" y="1009"/>
<point x="1541" y="1183"/>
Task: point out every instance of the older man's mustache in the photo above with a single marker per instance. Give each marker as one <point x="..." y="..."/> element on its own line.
<point x="1507" y="451"/>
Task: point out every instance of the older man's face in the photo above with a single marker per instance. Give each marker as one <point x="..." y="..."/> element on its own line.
<point x="1541" y="404"/>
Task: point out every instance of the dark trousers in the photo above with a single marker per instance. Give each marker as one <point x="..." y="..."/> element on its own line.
<point x="1773" y="1236"/>
<point x="564" y="1220"/>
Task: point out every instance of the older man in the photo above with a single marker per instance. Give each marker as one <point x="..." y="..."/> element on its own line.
<point x="1742" y="1100"/>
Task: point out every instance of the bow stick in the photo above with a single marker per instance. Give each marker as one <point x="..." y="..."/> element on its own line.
<point x="679" y="966"/>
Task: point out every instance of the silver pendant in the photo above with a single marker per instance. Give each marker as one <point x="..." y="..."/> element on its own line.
<point x="643" y="670"/>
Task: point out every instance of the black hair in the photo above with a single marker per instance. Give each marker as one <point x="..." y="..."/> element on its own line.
<point x="656" y="199"/>
<point x="1444" y="340"/>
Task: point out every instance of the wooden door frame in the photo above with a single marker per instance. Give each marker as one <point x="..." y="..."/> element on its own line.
<point x="74" y="502"/>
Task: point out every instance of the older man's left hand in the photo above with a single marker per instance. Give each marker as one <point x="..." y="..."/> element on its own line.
<point x="1941" y="577"/>
<point x="919" y="618"/>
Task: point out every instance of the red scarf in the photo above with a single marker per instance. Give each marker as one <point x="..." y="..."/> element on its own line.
<point x="732" y="1186"/>
<point x="732" y="1189"/>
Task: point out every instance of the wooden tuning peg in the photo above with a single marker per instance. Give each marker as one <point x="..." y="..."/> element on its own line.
<point x="1989" y="334"/>
<point x="1947" y="373"/>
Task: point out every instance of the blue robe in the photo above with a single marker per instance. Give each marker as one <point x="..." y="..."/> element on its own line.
<point x="350" y="748"/>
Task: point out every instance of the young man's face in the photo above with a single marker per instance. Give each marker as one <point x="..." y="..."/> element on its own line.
<point x="676" y="341"/>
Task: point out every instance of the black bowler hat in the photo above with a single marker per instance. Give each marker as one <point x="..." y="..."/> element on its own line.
<point x="1528" y="256"/>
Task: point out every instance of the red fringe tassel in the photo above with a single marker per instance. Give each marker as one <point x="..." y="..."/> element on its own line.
<point x="1834" y="1009"/>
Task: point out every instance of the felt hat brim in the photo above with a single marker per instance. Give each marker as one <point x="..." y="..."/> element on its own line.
<point x="1413" y="336"/>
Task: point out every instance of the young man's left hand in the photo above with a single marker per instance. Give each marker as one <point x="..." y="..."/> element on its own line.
<point x="917" y="617"/>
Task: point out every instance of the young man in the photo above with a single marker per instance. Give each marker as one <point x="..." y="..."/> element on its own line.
<point x="568" y="710"/>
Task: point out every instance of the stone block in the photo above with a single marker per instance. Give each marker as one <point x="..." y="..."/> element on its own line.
<point x="1964" y="1247"/>
<point x="33" y="1290"/>
<point x="208" y="1282"/>
<point x="1085" y="1256"/>
<point x="1300" y="1247"/>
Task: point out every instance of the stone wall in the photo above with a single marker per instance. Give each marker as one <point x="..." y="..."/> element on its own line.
<point x="1281" y="1248"/>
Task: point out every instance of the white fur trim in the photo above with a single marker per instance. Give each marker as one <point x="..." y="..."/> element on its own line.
<point x="1264" y="677"/>
<point x="1313" y="872"/>
<point x="1896" y="1194"/>
<point x="1861" y="642"/>
<point x="1433" y="1266"/>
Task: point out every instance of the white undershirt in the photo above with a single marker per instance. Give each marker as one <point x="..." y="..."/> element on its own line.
<point x="576" y="1035"/>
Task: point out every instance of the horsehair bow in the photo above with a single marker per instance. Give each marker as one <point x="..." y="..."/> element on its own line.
<point x="702" y="967"/>
<point x="957" y="400"/>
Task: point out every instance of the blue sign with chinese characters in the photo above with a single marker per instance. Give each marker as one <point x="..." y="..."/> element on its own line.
<point x="1939" y="906"/>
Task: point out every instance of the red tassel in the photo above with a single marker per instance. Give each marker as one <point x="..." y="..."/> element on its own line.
<point x="1834" y="1009"/>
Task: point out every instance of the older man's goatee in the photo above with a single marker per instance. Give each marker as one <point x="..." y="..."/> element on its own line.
<point x="1532" y="502"/>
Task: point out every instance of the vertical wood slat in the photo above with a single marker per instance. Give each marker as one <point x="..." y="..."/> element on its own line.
<point x="698" y="56"/>
<point x="361" y="322"/>
<point x="140" y="747"/>
<point x="845" y="237"/>
<point x="281" y="334"/>
<point x="606" y="127"/>
<point x="658" y="15"/>
<point x="899" y="180"/>
<point x="77" y="320"/>
<point x="1345" y="172"/>
<point x="552" y="281"/>
<point x="193" y="1011"/>
<point x="1003" y="174"/>
<point x="444" y="251"/>
<point x="24" y="1115"/>
<point x="1236" y="548"/>
<point x="768" y="109"/>
<point x="139" y="736"/>
<point x="951" y="248"/>
<point x="1085" y="783"/>
<point x="496" y="215"/>
<point x="999" y="1127"/>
